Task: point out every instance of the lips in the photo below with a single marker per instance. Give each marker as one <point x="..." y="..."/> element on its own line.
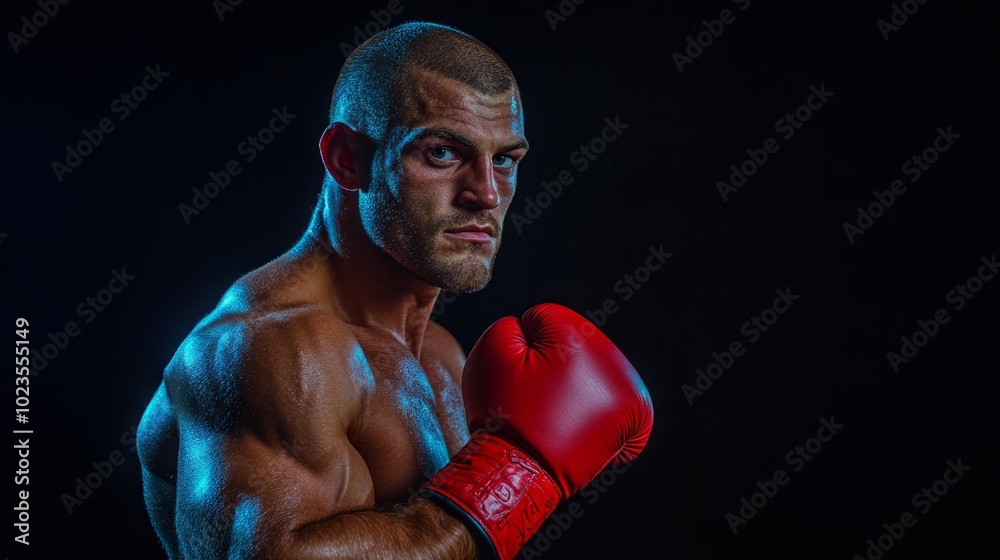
<point x="479" y="233"/>
<point x="483" y="228"/>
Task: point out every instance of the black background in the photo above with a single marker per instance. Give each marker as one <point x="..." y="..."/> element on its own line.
<point x="653" y="186"/>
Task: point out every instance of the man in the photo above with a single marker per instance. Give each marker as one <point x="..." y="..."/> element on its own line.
<point x="318" y="413"/>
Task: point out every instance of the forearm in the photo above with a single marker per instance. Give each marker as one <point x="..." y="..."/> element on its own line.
<point x="417" y="531"/>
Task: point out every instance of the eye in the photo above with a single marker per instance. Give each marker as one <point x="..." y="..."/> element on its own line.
<point x="442" y="153"/>
<point x="503" y="161"/>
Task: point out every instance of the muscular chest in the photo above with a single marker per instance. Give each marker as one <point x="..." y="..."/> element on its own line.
<point x="413" y="422"/>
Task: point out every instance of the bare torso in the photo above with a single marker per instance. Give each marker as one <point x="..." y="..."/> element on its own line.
<point x="275" y="397"/>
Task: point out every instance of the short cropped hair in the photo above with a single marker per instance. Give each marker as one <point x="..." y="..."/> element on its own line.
<point x="376" y="84"/>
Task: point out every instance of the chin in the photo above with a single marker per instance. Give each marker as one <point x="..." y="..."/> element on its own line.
<point x="467" y="275"/>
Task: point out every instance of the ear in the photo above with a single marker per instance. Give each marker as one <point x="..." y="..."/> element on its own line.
<point x="339" y="158"/>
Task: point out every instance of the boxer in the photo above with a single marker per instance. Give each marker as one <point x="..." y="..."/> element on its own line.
<point x="317" y="412"/>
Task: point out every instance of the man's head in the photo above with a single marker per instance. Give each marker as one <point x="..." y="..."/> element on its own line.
<point x="425" y="135"/>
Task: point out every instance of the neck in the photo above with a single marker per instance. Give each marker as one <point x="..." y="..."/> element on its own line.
<point x="366" y="286"/>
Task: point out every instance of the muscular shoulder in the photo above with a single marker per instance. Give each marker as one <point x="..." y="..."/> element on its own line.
<point x="443" y="347"/>
<point x="243" y="365"/>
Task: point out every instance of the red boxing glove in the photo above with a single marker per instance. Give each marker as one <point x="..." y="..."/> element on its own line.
<point x="551" y="402"/>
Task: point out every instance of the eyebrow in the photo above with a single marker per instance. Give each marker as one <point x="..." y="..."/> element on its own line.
<point x="449" y="134"/>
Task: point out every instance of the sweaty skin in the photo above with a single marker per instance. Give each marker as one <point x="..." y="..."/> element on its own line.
<point x="299" y="417"/>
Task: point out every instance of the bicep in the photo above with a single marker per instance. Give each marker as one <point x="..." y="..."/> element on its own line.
<point x="239" y="496"/>
<point x="268" y="456"/>
<point x="263" y="436"/>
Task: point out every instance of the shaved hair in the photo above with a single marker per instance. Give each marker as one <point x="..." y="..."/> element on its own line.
<point x="376" y="85"/>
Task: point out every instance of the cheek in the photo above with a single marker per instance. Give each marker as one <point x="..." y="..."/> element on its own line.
<point x="504" y="205"/>
<point x="418" y="210"/>
<point x="506" y="198"/>
<point x="427" y="192"/>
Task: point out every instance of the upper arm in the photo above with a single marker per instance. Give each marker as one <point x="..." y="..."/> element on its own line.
<point x="156" y="442"/>
<point x="264" y="413"/>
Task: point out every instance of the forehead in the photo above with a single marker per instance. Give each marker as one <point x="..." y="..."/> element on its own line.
<point x="435" y="100"/>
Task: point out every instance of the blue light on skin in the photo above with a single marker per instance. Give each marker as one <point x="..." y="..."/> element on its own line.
<point x="414" y="394"/>
<point x="201" y="461"/>
<point x="245" y="521"/>
<point x="210" y="356"/>
<point x="408" y="383"/>
<point x="235" y="300"/>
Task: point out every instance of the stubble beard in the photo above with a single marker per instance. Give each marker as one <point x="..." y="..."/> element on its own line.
<point x="415" y="245"/>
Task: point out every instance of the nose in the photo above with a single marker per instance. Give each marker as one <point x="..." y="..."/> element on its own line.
<point x="479" y="187"/>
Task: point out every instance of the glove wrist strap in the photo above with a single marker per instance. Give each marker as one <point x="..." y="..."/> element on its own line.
<point x="505" y="493"/>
